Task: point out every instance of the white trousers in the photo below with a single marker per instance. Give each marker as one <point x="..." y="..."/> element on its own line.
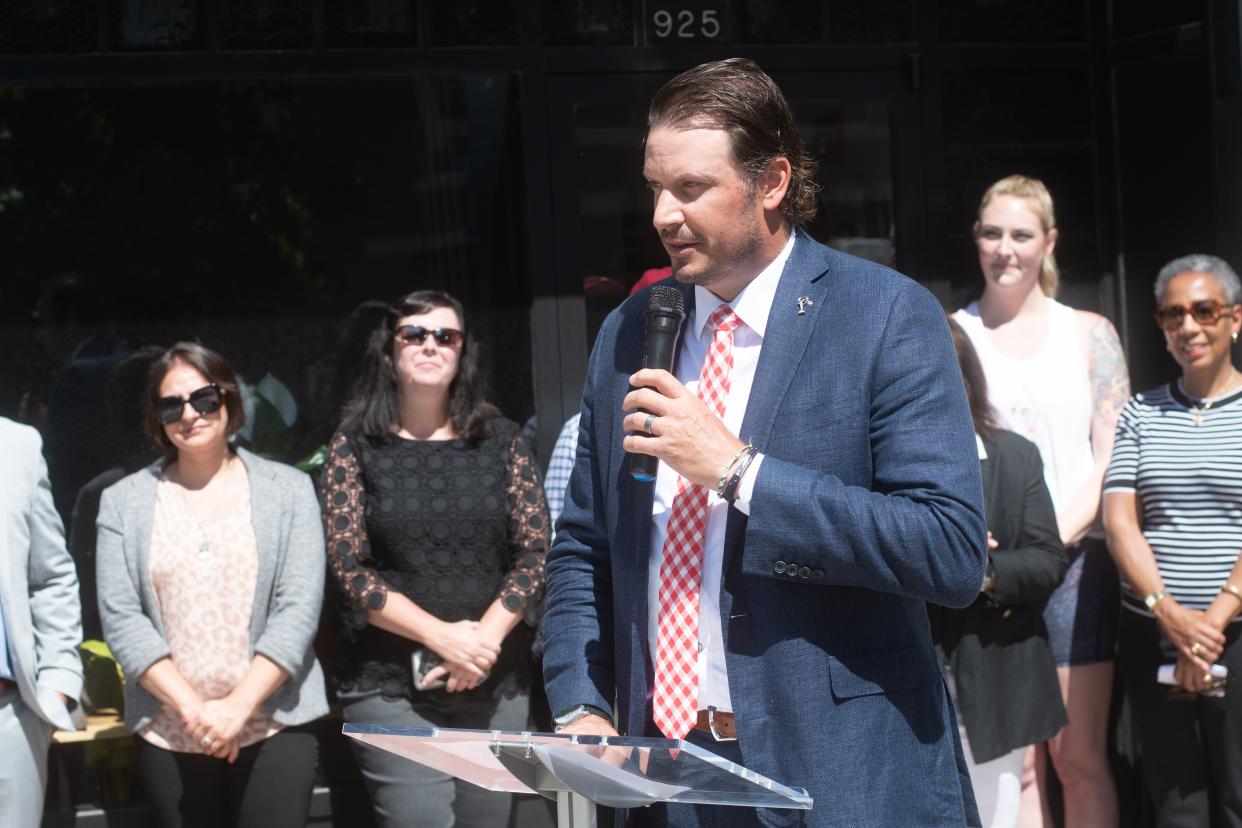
<point x="997" y="783"/>
<point x="24" y="740"/>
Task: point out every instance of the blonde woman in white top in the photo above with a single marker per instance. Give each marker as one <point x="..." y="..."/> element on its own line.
<point x="1058" y="376"/>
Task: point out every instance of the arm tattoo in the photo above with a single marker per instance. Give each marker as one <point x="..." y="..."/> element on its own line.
<point x="1110" y="382"/>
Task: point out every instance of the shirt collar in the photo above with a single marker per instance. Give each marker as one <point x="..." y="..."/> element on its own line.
<point x="983" y="453"/>
<point x="753" y="304"/>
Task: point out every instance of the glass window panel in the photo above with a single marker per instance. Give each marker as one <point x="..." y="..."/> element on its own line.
<point x="265" y="24"/>
<point x="1012" y="21"/>
<point x="158" y="24"/>
<point x="51" y="26"/>
<point x="588" y="22"/>
<point x="774" y="21"/>
<point x="871" y="21"/>
<point x="1131" y="19"/>
<point x="254" y="217"/>
<point x="360" y="23"/>
<point x="473" y="23"/>
<point x="990" y="104"/>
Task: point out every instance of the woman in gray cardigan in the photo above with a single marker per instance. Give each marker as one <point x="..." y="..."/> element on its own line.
<point x="210" y="575"/>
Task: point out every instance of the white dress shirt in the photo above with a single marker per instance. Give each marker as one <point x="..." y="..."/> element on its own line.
<point x="752" y="306"/>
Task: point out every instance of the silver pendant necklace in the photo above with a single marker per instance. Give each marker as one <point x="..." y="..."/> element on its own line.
<point x="204" y="545"/>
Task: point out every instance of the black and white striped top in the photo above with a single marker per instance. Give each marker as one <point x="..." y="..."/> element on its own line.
<point x="1188" y="479"/>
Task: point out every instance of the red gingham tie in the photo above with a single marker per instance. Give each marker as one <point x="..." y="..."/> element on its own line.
<point x="676" y="696"/>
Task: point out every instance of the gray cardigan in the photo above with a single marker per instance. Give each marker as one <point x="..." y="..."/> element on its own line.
<point x="288" y="593"/>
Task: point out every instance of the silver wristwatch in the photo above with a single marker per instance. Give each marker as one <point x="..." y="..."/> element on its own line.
<point x="573" y="714"/>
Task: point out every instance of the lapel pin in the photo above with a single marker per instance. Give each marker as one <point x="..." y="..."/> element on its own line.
<point x="803" y="303"/>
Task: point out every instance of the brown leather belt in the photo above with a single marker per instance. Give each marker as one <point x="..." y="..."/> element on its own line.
<point x="722" y="726"/>
<point x="5" y="684"/>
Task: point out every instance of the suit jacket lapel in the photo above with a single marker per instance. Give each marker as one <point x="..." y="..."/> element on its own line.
<point x="786" y="337"/>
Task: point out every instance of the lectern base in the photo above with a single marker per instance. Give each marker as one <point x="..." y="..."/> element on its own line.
<point x="574" y="810"/>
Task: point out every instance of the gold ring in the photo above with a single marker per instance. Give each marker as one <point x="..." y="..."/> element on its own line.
<point x="1207" y="677"/>
<point x="208" y="741"/>
<point x="1195" y="648"/>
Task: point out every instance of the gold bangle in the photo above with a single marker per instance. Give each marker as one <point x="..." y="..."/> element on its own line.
<point x="1232" y="590"/>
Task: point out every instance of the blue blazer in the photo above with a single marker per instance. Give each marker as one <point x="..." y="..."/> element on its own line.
<point x="867" y="506"/>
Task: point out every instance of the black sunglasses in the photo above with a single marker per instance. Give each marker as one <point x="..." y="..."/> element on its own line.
<point x="206" y="400"/>
<point x="417" y="335"/>
<point x="1205" y="312"/>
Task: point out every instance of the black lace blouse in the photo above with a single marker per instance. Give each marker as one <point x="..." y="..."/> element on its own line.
<point x="450" y="525"/>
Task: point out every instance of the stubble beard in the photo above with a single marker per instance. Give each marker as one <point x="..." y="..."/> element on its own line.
<point x="722" y="263"/>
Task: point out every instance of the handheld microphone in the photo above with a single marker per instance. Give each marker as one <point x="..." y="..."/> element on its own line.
<point x="666" y="309"/>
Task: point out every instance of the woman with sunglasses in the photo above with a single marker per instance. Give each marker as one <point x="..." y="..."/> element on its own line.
<point x="1173" y="509"/>
<point x="1057" y="376"/>
<point x="210" y="567"/>
<point x="436" y="527"/>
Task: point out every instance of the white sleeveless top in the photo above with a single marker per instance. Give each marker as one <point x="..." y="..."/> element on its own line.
<point x="1045" y="398"/>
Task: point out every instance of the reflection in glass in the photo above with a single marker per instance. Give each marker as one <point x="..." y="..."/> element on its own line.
<point x="259" y="219"/>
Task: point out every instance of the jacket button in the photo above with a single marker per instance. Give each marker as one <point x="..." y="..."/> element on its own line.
<point x="804" y="573"/>
<point x="816" y="574"/>
<point x="778" y="567"/>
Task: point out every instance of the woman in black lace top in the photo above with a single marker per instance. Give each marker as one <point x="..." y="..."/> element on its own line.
<point x="436" y="528"/>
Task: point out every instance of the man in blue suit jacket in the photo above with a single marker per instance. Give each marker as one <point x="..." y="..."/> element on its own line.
<point x="861" y="504"/>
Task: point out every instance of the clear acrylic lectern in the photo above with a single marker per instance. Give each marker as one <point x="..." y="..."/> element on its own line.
<point x="578" y="771"/>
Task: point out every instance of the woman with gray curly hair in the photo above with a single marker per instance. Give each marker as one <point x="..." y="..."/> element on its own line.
<point x="1173" y="511"/>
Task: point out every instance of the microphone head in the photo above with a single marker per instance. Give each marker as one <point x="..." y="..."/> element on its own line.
<point x="666" y="299"/>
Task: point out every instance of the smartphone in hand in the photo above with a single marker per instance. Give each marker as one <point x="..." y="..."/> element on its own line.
<point x="422" y="662"/>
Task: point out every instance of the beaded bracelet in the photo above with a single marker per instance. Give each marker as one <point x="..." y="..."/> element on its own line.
<point x="724" y="473"/>
<point x="735" y="480"/>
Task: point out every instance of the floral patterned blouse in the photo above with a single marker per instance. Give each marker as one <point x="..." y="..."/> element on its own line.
<point x="204" y="577"/>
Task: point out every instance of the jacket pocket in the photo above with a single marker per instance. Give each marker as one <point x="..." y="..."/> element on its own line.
<point x="873" y="672"/>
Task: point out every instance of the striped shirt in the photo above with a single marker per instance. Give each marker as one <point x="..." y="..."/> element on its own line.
<point x="1182" y="456"/>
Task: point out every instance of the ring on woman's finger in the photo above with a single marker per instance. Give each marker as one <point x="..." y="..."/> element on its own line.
<point x="648" y="423"/>
<point x="208" y="741"/>
<point x="1207" y="677"/>
<point x="1195" y="648"/>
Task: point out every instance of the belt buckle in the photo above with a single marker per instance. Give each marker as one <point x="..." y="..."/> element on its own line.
<point x="711" y="725"/>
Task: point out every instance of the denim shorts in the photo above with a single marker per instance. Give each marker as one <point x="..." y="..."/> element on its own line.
<point x="1082" y="614"/>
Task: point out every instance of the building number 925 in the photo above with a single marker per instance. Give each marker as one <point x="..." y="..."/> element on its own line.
<point x="683" y="24"/>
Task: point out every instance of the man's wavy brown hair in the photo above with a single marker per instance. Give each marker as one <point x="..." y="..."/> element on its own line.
<point x="737" y="96"/>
